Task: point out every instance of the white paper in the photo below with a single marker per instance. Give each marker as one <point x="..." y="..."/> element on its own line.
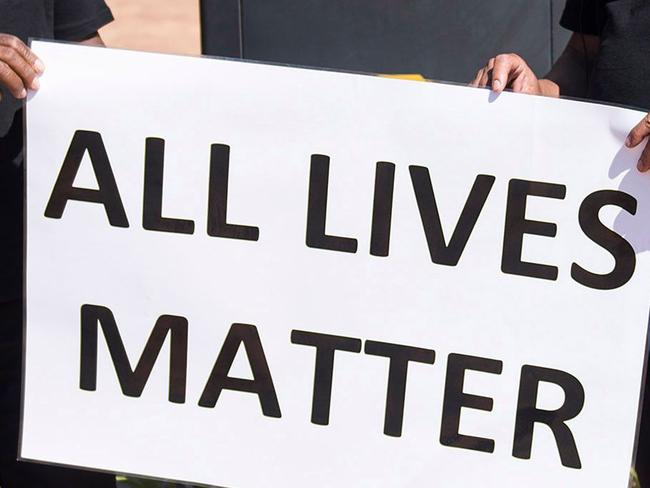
<point x="274" y="118"/>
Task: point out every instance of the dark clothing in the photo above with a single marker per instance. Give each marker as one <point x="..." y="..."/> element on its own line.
<point x="69" y="20"/>
<point x="621" y="75"/>
<point x="11" y="215"/>
<point x="621" y="72"/>
<point x="64" y="20"/>
<point x="585" y="16"/>
<point x="643" y="447"/>
<point x="21" y="474"/>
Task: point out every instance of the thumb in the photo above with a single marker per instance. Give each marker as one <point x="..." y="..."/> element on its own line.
<point x="501" y="72"/>
<point x="639" y="133"/>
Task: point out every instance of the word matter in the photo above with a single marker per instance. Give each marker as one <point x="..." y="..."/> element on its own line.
<point x="132" y="381"/>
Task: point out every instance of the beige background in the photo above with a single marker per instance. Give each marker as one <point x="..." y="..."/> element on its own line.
<point x="155" y="25"/>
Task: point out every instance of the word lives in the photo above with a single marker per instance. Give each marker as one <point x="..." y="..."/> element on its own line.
<point x="443" y="251"/>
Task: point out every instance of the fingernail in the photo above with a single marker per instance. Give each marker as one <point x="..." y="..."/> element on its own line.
<point x="496" y="85"/>
<point x="628" y="141"/>
<point x="36" y="84"/>
<point x="22" y="94"/>
<point x="38" y="64"/>
<point x="641" y="166"/>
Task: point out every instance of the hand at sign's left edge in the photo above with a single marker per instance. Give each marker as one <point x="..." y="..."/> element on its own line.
<point x="638" y="135"/>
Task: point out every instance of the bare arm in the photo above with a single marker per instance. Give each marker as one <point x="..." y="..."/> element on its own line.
<point x="568" y="76"/>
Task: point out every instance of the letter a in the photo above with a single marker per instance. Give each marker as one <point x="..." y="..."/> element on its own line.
<point x="107" y="194"/>
<point x="261" y="384"/>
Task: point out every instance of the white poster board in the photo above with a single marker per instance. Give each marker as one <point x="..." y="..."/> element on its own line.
<point x="301" y="291"/>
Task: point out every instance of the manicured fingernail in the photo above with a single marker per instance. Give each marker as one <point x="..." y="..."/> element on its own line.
<point x="36" y="84"/>
<point x="496" y="85"/>
<point x="628" y="141"/>
<point x="22" y="94"/>
<point x="38" y="64"/>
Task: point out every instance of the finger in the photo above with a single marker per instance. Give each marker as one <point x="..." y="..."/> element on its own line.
<point x="476" y="79"/>
<point x="639" y="133"/>
<point x="485" y="78"/>
<point x="22" y="50"/>
<point x="487" y="73"/>
<point x="644" y="161"/>
<point x="504" y="65"/>
<point x="12" y="81"/>
<point x="20" y="66"/>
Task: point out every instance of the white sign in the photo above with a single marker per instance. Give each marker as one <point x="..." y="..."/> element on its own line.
<point x="335" y="280"/>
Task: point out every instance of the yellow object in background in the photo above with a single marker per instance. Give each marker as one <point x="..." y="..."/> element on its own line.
<point x="412" y="77"/>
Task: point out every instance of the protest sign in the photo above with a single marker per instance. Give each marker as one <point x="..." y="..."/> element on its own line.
<point x="248" y="275"/>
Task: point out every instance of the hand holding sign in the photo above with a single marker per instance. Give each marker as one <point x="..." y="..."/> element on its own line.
<point x="19" y="66"/>
<point x="511" y="71"/>
<point x="638" y="135"/>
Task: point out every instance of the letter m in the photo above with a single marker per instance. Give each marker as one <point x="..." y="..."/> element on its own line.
<point x="132" y="381"/>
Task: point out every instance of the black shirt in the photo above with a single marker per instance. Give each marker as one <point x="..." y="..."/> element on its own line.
<point x="66" y="20"/>
<point x="621" y="73"/>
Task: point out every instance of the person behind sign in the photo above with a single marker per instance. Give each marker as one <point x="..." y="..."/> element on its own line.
<point x="605" y="60"/>
<point x="20" y="68"/>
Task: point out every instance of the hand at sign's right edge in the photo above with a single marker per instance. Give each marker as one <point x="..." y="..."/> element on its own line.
<point x="511" y="71"/>
<point x="19" y="66"/>
<point x="639" y="134"/>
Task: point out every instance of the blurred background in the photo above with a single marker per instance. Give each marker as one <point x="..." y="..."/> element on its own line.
<point x="171" y="26"/>
<point x="441" y="40"/>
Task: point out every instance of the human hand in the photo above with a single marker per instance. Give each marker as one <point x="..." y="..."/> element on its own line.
<point x="511" y="71"/>
<point x="19" y="66"/>
<point x="637" y="135"/>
